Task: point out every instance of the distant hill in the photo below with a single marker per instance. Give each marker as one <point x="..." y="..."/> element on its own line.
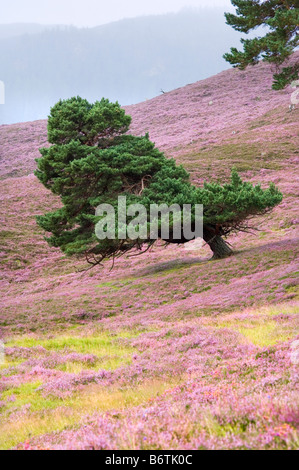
<point x="130" y="60"/>
<point x="19" y="29"/>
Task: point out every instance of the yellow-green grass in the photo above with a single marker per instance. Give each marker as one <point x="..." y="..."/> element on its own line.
<point x="53" y="414"/>
<point x="9" y="363"/>
<point x="46" y="417"/>
<point x="258" y="326"/>
<point x="27" y="394"/>
<point x="47" y="414"/>
<point x="109" y="349"/>
<point x="82" y="344"/>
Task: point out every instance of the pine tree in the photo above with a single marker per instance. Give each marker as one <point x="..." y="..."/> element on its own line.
<point x="93" y="160"/>
<point x="281" y="17"/>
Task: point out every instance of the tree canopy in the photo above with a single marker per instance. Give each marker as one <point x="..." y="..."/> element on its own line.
<point x="281" y="17"/>
<point x="93" y="160"/>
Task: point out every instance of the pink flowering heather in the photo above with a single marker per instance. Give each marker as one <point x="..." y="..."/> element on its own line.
<point x="168" y="350"/>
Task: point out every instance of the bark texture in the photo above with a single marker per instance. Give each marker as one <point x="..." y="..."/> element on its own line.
<point x="218" y="246"/>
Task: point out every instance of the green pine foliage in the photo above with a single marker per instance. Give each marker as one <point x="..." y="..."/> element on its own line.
<point x="93" y="160"/>
<point x="281" y="17"/>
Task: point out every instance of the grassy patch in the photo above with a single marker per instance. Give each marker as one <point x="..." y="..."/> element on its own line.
<point x="27" y="394"/>
<point x="93" y="399"/>
<point x="259" y="327"/>
<point x="110" y="350"/>
<point x="101" y="344"/>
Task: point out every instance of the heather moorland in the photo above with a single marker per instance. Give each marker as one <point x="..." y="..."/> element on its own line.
<point x="168" y="350"/>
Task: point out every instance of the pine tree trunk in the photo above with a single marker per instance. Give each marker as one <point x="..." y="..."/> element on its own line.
<point x="218" y="246"/>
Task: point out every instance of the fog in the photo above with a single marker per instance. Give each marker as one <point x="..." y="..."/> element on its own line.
<point x="94" y="12"/>
<point x="130" y="61"/>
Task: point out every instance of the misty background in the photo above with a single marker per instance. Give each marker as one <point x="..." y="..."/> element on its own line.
<point x="130" y="60"/>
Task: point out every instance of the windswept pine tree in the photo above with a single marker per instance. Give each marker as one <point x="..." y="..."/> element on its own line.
<point x="93" y="161"/>
<point x="281" y="18"/>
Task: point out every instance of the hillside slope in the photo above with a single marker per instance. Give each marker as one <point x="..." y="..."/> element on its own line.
<point x="171" y="349"/>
